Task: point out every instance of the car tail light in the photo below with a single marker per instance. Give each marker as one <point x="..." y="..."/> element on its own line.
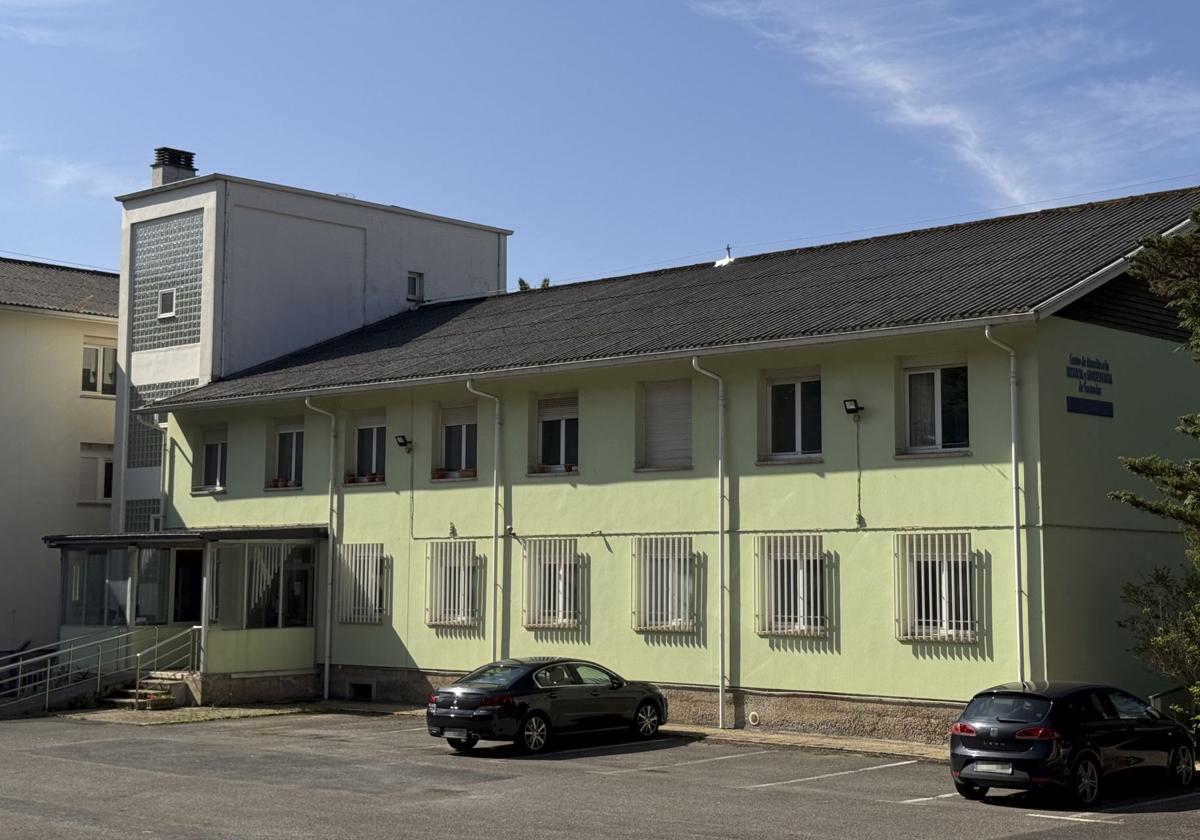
<point x="433" y="699"/>
<point x="502" y="700"/>
<point x="1037" y="733"/>
<point x="961" y="728"/>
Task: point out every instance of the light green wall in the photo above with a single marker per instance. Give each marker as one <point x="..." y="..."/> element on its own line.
<point x="609" y="502"/>
<point x="1094" y="545"/>
<point x="285" y="649"/>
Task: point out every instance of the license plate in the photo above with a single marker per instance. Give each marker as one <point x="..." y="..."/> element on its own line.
<point x="454" y="733"/>
<point x="994" y="767"/>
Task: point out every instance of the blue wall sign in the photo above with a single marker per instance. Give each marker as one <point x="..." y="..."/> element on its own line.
<point x="1091" y="381"/>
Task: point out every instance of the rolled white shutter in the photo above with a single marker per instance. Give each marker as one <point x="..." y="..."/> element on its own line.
<point x="667" y="424"/>
<point x="558" y="408"/>
<point x="459" y="415"/>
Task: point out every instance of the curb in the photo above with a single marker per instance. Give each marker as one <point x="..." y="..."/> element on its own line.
<point x="816" y="743"/>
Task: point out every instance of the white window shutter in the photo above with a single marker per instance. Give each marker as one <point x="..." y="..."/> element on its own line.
<point x="558" y="408"/>
<point x="667" y="424"/>
<point x="461" y="415"/>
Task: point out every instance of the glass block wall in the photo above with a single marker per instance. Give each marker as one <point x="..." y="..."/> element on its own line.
<point x="138" y="513"/>
<point x="166" y="254"/>
<point x="145" y="444"/>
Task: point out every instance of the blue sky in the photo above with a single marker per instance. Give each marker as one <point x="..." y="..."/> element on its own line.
<point x="612" y="137"/>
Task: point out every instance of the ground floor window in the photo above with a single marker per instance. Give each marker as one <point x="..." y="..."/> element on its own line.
<point x="153" y="586"/>
<point x="454" y="580"/>
<point x="791" y="591"/>
<point x="665" y="583"/>
<point x="95" y="587"/>
<point x="364" y="583"/>
<point x="552" y="583"/>
<point x="936" y="578"/>
<point x="263" y="585"/>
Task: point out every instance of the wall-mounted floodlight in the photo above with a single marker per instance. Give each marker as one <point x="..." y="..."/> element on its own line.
<point x="404" y="443"/>
<point x="852" y="407"/>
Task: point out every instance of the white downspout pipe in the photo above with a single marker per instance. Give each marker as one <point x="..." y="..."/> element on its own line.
<point x="1016" y="497"/>
<point x="331" y="543"/>
<point x="495" y="515"/>
<point x="720" y="539"/>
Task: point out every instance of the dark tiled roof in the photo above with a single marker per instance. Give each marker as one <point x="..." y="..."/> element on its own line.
<point x="58" y="288"/>
<point x="990" y="268"/>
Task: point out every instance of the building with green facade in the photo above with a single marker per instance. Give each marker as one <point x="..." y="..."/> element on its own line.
<point x="872" y="471"/>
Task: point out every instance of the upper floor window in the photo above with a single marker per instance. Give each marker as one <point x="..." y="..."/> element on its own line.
<point x="558" y="433"/>
<point x="166" y="303"/>
<point x="416" y="286"/>
<point x="666" y="425"/>
<point x="370" y="447"/>
<point x="289" y="454"/>
<point x="937" y="416"/>
<point x="99" y="369"/>
<point x="794" y="416"/>
<point x="459" y="442"/>
<point x="95" y="472"/>
<point x="212" y="464"/>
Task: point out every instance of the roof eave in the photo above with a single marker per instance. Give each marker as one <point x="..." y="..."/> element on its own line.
<point x="600" y="362"/>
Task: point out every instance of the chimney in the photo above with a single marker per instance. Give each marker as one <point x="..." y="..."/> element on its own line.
<point x="171" y="165"/>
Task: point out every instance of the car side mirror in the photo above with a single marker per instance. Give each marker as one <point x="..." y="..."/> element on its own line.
<point x="618" y="684"/>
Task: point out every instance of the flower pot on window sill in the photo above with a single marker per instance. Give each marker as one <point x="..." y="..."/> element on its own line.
<point x="290" y="484"/>
<point x="466" y="473"/>
<point x="439" y="473"/>
<point x="568" y="468"/>
<point x="348" y="478"/>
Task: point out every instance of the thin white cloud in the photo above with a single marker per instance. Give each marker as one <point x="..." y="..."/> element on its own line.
<point x="61" y="177"/>
<point x="1031" y="98"/>
<point x="57" y="23"/>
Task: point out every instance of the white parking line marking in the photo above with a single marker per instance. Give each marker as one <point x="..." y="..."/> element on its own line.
<point x="676" y="764"/>
<point x="552" y="752"/>
<point x="1076" y="818"/>
<point x="918" y="799"/>
<point x="829" y="775"/>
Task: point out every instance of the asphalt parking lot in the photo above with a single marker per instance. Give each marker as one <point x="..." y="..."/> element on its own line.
<point x="335" y="775"/>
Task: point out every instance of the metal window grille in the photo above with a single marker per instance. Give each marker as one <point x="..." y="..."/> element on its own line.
<point x="791" y="590"/>
<point x="664" y="584"/>
<point x="551" y="584"/>
<point x="454" y="575"/>
<point x="362" y="583"/>
<point x="936" y="580"/>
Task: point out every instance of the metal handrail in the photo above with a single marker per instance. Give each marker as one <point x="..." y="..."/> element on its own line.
<point x="187" y="649"/>
<point x="21" y="655"/>
<point x="103" y="641"/>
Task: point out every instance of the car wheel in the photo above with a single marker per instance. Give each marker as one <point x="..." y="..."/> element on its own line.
<point x="646" y="720"/>
<point x="1085" y="780"/>
<point x="1182" y="766"/>
<point x="535" y="734"/>
<point x="462" y="745"/>
<point x="969" y="790"/>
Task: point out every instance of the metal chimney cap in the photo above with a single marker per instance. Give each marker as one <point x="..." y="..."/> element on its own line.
<point x="166" y="156"/>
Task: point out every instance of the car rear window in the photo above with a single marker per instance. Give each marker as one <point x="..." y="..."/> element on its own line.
<point x="494" y="674"/>
<point x="1011" y="708"/>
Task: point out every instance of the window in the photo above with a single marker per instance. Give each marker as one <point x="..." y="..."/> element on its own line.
<point x="279" y="586"/>
<point x="166" y="303"/>
<point x="937" y="408"/>
<point x="1010" y="708"/>
<point x="289" y="455"/>
<point x="99" y="370"/>
<point x="664" y="575"/>
<point x="370" y="451"/>
<point x="459" y="442"/>
<point x="555" y="676"/>
<point x="153" y="585"/>
<point x="551" y="584"/>
<point x="212" y="466"/>
<point x="591" y="675"/>
<point x="935" y="591"/>
<point x="454" y="582"/>
<point x="95" y="472"/>
<point x="1129" y="707"/>
<point x="791" y="592"/>
<point x="95" y="587"/>
<point x="558" y="433"/>
<point x="666" y="433"/>
<point x="794" y="417"/>
<point x="416" y="286"/>
<point x="363" y="583"/>
<point x="228" y="580"/>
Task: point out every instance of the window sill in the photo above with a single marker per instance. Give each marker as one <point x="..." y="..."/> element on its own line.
<point x="450" y="479"/>
<point x="783" y="460"/>
<point x="661" y="469"/>
<point x="92" y="395"/>
<point x="208" y="491"/>
<point x="549" y="474"/>
<point x="269" y="489"/>
<point x="933" y="453"/>
<point x="353" y="485"/>
<point x="94" y="503"/>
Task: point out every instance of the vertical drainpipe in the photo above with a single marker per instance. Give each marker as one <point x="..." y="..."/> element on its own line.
<point x="1016" y="497"/>
<point x="495" y="515"/>
<point x="720" y="539"/>
<point x="331" y="543"/>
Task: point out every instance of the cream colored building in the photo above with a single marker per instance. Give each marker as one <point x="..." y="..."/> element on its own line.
<point x="58" y="338"/>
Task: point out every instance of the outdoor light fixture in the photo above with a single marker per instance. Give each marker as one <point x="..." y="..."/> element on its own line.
<point x="404" y="443"/>
<point x="852" y="407"/>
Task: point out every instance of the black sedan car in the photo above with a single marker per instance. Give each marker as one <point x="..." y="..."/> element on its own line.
<point x="1064" y="736"/>
<point x="529" y="701"/>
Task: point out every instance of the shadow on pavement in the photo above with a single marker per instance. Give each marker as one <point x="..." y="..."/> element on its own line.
<point x="568" y="747"/>
<point x="1148" y="793"/>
